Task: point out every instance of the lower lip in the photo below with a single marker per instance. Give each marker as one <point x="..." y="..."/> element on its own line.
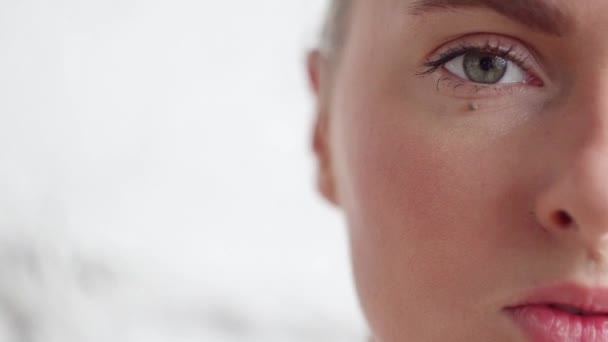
<point x="546" y="324"/>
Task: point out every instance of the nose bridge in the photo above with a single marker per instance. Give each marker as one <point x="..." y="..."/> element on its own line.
<point x="587" y="184"/>
<point x="589" y="115"/>
<point x="578" y="197"/>
<point x="572" y="204"/>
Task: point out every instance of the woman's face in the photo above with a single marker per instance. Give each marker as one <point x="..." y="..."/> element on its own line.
<point x="467" y="144"/>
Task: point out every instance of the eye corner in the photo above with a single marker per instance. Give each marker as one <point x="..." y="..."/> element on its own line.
<point x="535" y="81"/>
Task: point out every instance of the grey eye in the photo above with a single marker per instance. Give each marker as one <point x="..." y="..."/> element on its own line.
<point x="486" y="68"/>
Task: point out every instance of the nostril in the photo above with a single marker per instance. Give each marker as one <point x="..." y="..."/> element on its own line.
<point x="563" y="219"/>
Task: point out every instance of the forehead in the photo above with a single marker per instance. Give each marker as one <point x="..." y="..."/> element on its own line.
<point x="579" y="24"/>
<point x="543" y="15"/>
<point x="552" y="16"/>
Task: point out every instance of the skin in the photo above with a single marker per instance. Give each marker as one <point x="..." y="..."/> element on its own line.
<point x="460" y="199"/>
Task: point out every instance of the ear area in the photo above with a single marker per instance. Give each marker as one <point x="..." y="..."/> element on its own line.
<point x="319" y="78"/>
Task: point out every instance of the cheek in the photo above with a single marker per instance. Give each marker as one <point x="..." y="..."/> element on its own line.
<point x="407" y="192"/>
<point x="424" y="207"/>
<point x="406" y="174"/>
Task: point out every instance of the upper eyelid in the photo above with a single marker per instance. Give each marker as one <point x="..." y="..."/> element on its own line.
<point x="491" y="40"/>
<point x="457" y="52"/>
<point x="518" y="52"/>
<point x="464" y="48"/>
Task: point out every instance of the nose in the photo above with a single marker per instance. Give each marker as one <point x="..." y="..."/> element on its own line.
<point x="575" y="201"/>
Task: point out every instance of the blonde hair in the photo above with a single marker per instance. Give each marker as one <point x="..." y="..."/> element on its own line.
<point x="335" y="26"/>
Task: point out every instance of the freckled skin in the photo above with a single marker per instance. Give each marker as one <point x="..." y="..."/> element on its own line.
<point x="451" y="195"/>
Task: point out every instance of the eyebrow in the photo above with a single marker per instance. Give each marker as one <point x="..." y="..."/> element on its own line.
<point x="537" y="14"/>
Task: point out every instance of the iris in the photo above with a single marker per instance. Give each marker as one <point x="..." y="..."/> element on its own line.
<point x="484" y="68"/>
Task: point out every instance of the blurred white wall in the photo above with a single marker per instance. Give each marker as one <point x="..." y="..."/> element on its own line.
<point x="156" y="182"/>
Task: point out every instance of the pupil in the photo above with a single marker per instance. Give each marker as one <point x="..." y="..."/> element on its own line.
<point x="486" y="63"/>
<point x="484" y="67"/>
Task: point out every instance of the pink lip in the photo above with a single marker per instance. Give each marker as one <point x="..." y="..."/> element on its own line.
<point x="537" y="315"/>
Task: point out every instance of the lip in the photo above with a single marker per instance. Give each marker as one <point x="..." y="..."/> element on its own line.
<point x="537" y="315"/>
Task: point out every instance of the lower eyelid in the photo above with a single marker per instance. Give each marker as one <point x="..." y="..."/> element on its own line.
<point x="454" y="86"/>
<point x="516" y="50"/>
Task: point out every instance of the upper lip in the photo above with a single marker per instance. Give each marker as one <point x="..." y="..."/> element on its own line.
<point x="588" y="299"/>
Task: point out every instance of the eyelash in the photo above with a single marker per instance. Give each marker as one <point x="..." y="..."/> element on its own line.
<point x="447" y="56"/>
<point x="513" y="53"/>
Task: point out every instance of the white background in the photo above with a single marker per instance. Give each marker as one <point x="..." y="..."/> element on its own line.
<point x="156" y="182"/>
